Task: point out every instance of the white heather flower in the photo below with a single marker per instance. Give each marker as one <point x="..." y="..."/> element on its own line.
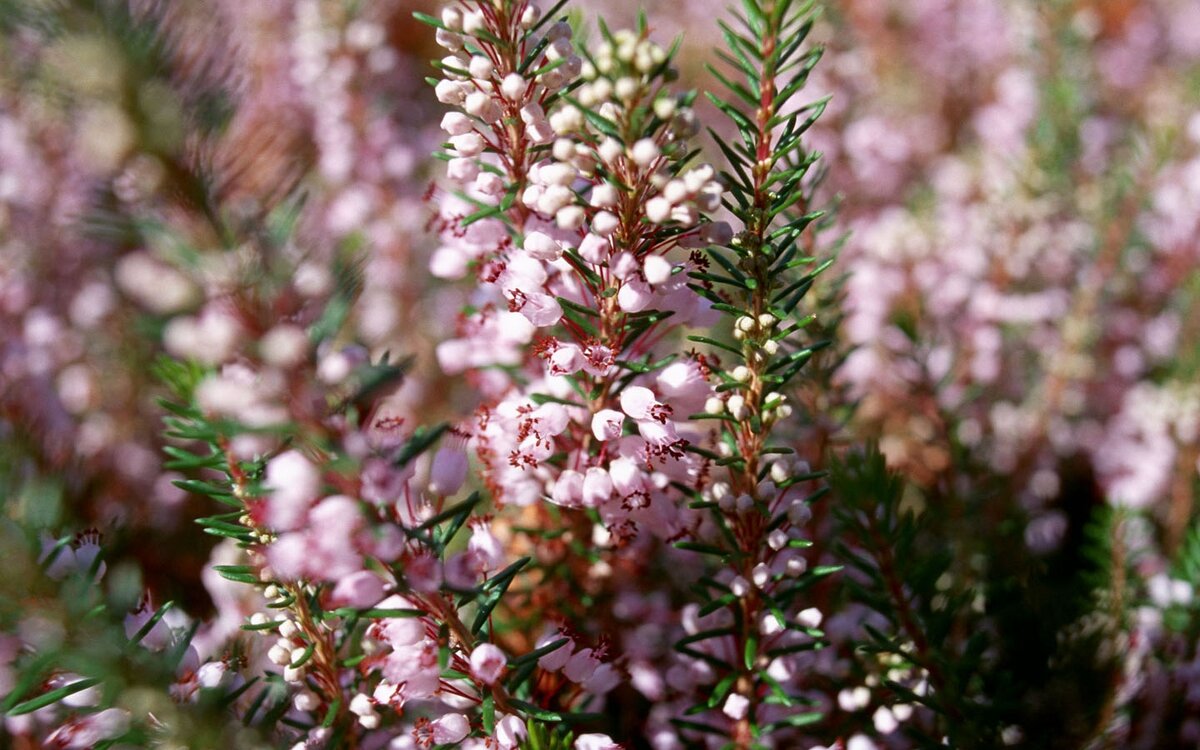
<point x="563" y="149"/>
<point x="657" y="269"/>
<point x="558" y="658"/>
<point x="482" y="106"/>
<point x="626" y="87"/>
<point x="570" y="217"/>
<point x="553" y="198"/>
<point x="595" y="742"/>
<point x="449" y="40"/>
<point x="686" y="215"/>
<point x="736" y="706"/>
<point x="530" y="16"/>
<point x="487" y="663"/>
<point x="770" y="625"/>
<point x="605" y="223"/>
<point x="714" y="405"/>
<point x="468" y="144"/>
<point x="736" y="406"/>
<point x="473" y="22"/>
<point x="777" y="540"/>
<point x="462" y="170"/>
<point x="532" y="113"/>
<point x="285" y="345"/>
<point x="796" y="566"/>
<point x="610" y="150"/>
<point x="450" y="92"/>
<point x="739" y="586"/>
<point x="884" y="720"/>
<point x="810" y="618"/>
<point x="597" y="487"/>
<point x="361" y="704"/>
<point x="456" y="123"/>
<point x="480" y="67"/>
<point x="761" y="575"/>
<point x="675" y="191"/>
<point x="513" y="87"/>
<point x="658" y="210"/>
<point x="448" y="471"/>
<point x="306" y="700"/>
<point x="644" y="152"/>
<point x="566" y="120"/>
<point x="604" y="195"/>
<point x="452" y="19"/>
<point x="853" y="699"/>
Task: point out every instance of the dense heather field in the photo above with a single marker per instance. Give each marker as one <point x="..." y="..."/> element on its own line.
<point x="504" y="375"/>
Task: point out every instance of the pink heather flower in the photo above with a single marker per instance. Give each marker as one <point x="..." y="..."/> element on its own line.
<point x="594" y="249"/>
<point x="484" y="549"/>
<point x="597" y="487"/>
<point x="568" y="490"/>
<point x="606" y="424"/>
<point x="556" y="659"/>
<point x="540" y="309"/>
<point x="567" y="359"/>
<point x="627" y="476"/>
<point x="542" y="246"/>
<point x="450" y="728"/>
<point x="601" y="681"/>
<point x="159" y="636"/>
<point x="581" y="665"/>
<point x="414" y="669"/>
<point x="658" y="434"/>
<point x="595" y="742"/>
<point x="362" y="589"/>
<point x="634" y="295"/>
<point x="510" y="730"/>
<point x="684" y="386"/>
<point x="294" y="483"/>
<point x="639" y="403"/>
<point x="448" y="472"/>
<point x="90" y="730"/>
<point x="76" y="557"/>
<point x="487" y="663"/>
<point x="400" y="631"/>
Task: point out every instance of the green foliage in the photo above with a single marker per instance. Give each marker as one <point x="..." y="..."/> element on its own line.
<point x="972" y="623"/>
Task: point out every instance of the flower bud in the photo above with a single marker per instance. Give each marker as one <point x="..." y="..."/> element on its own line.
<point x="480" y="67"/>
<point x="513" y="87"/>
<point x="487" y="663"/>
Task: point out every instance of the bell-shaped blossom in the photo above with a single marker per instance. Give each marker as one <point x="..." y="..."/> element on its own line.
<point x="294" y="483"/>
<point x="448" y="471"/>
<point x="450" y="729"/>
<point x="362" y="589"/>
<point x="487" y="663"/>
<point x="607" y="423"/>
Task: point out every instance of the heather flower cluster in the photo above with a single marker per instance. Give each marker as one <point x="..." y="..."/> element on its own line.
<point x="515" y="375"/>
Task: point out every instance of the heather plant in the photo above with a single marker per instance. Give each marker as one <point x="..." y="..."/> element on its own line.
<point x="525" y="445"/>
